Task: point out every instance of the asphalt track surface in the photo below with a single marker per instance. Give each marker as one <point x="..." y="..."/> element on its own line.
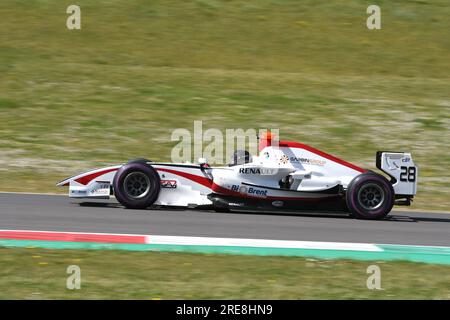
<point x="60" y="213"/>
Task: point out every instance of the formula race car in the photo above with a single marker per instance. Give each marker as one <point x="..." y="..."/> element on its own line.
<point x="285" y="177"/>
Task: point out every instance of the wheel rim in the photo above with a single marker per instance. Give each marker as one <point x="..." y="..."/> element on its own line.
<point x="371" y="196"/>
<point x="136" y="185"/>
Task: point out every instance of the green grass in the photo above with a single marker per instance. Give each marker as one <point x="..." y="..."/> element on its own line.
<point x="115" y="90"/>
<point x="41" y="274"/>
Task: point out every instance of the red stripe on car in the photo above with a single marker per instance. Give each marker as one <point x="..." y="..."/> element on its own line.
<point x="88" y="178"/>
<point x="200" y="180"/>
<point x="290" y="144"/>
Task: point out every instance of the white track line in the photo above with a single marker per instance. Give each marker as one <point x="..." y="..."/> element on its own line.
<point x="232" y="242"/>
<point x="260" y="243"/>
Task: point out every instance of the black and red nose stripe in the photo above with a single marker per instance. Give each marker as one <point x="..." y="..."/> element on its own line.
<point x="88" y="178"/>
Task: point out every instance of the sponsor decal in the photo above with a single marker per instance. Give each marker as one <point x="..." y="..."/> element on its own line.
<point x="284" y="159"/>
<point x="277" y="203"/>
<point x="78" y="191"/>
<point x="313" y="162"/>
<point x="257" y="192"/>
<point x="257" y="171"/>
<point x="249" y="190"/>
<point x="243" y="189"/>
<point x="100" y="189"/>
<point x="169" y="184"/>
<point x="266" y="155"/>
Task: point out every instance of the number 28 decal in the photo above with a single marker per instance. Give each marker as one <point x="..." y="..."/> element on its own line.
<point x="408" y="174"/>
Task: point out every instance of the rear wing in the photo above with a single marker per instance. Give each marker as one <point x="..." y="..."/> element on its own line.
<point x="402" y="170"/>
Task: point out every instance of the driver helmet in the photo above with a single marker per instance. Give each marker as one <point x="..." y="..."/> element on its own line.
<point x="240" y="157"/>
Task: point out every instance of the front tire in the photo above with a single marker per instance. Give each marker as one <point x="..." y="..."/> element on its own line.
<point x="136" y="185"/>
<point x="370" y="196"/>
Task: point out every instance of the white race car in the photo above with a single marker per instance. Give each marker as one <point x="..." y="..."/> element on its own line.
<point x="286" y="176"/>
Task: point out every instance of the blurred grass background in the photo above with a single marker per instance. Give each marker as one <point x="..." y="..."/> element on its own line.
<point x="36" y="273"/>
<point x="114" y="90"/>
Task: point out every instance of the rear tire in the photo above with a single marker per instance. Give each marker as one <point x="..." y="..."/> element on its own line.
<point x="136" y="185"/>
<point x="370" y="196"/>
